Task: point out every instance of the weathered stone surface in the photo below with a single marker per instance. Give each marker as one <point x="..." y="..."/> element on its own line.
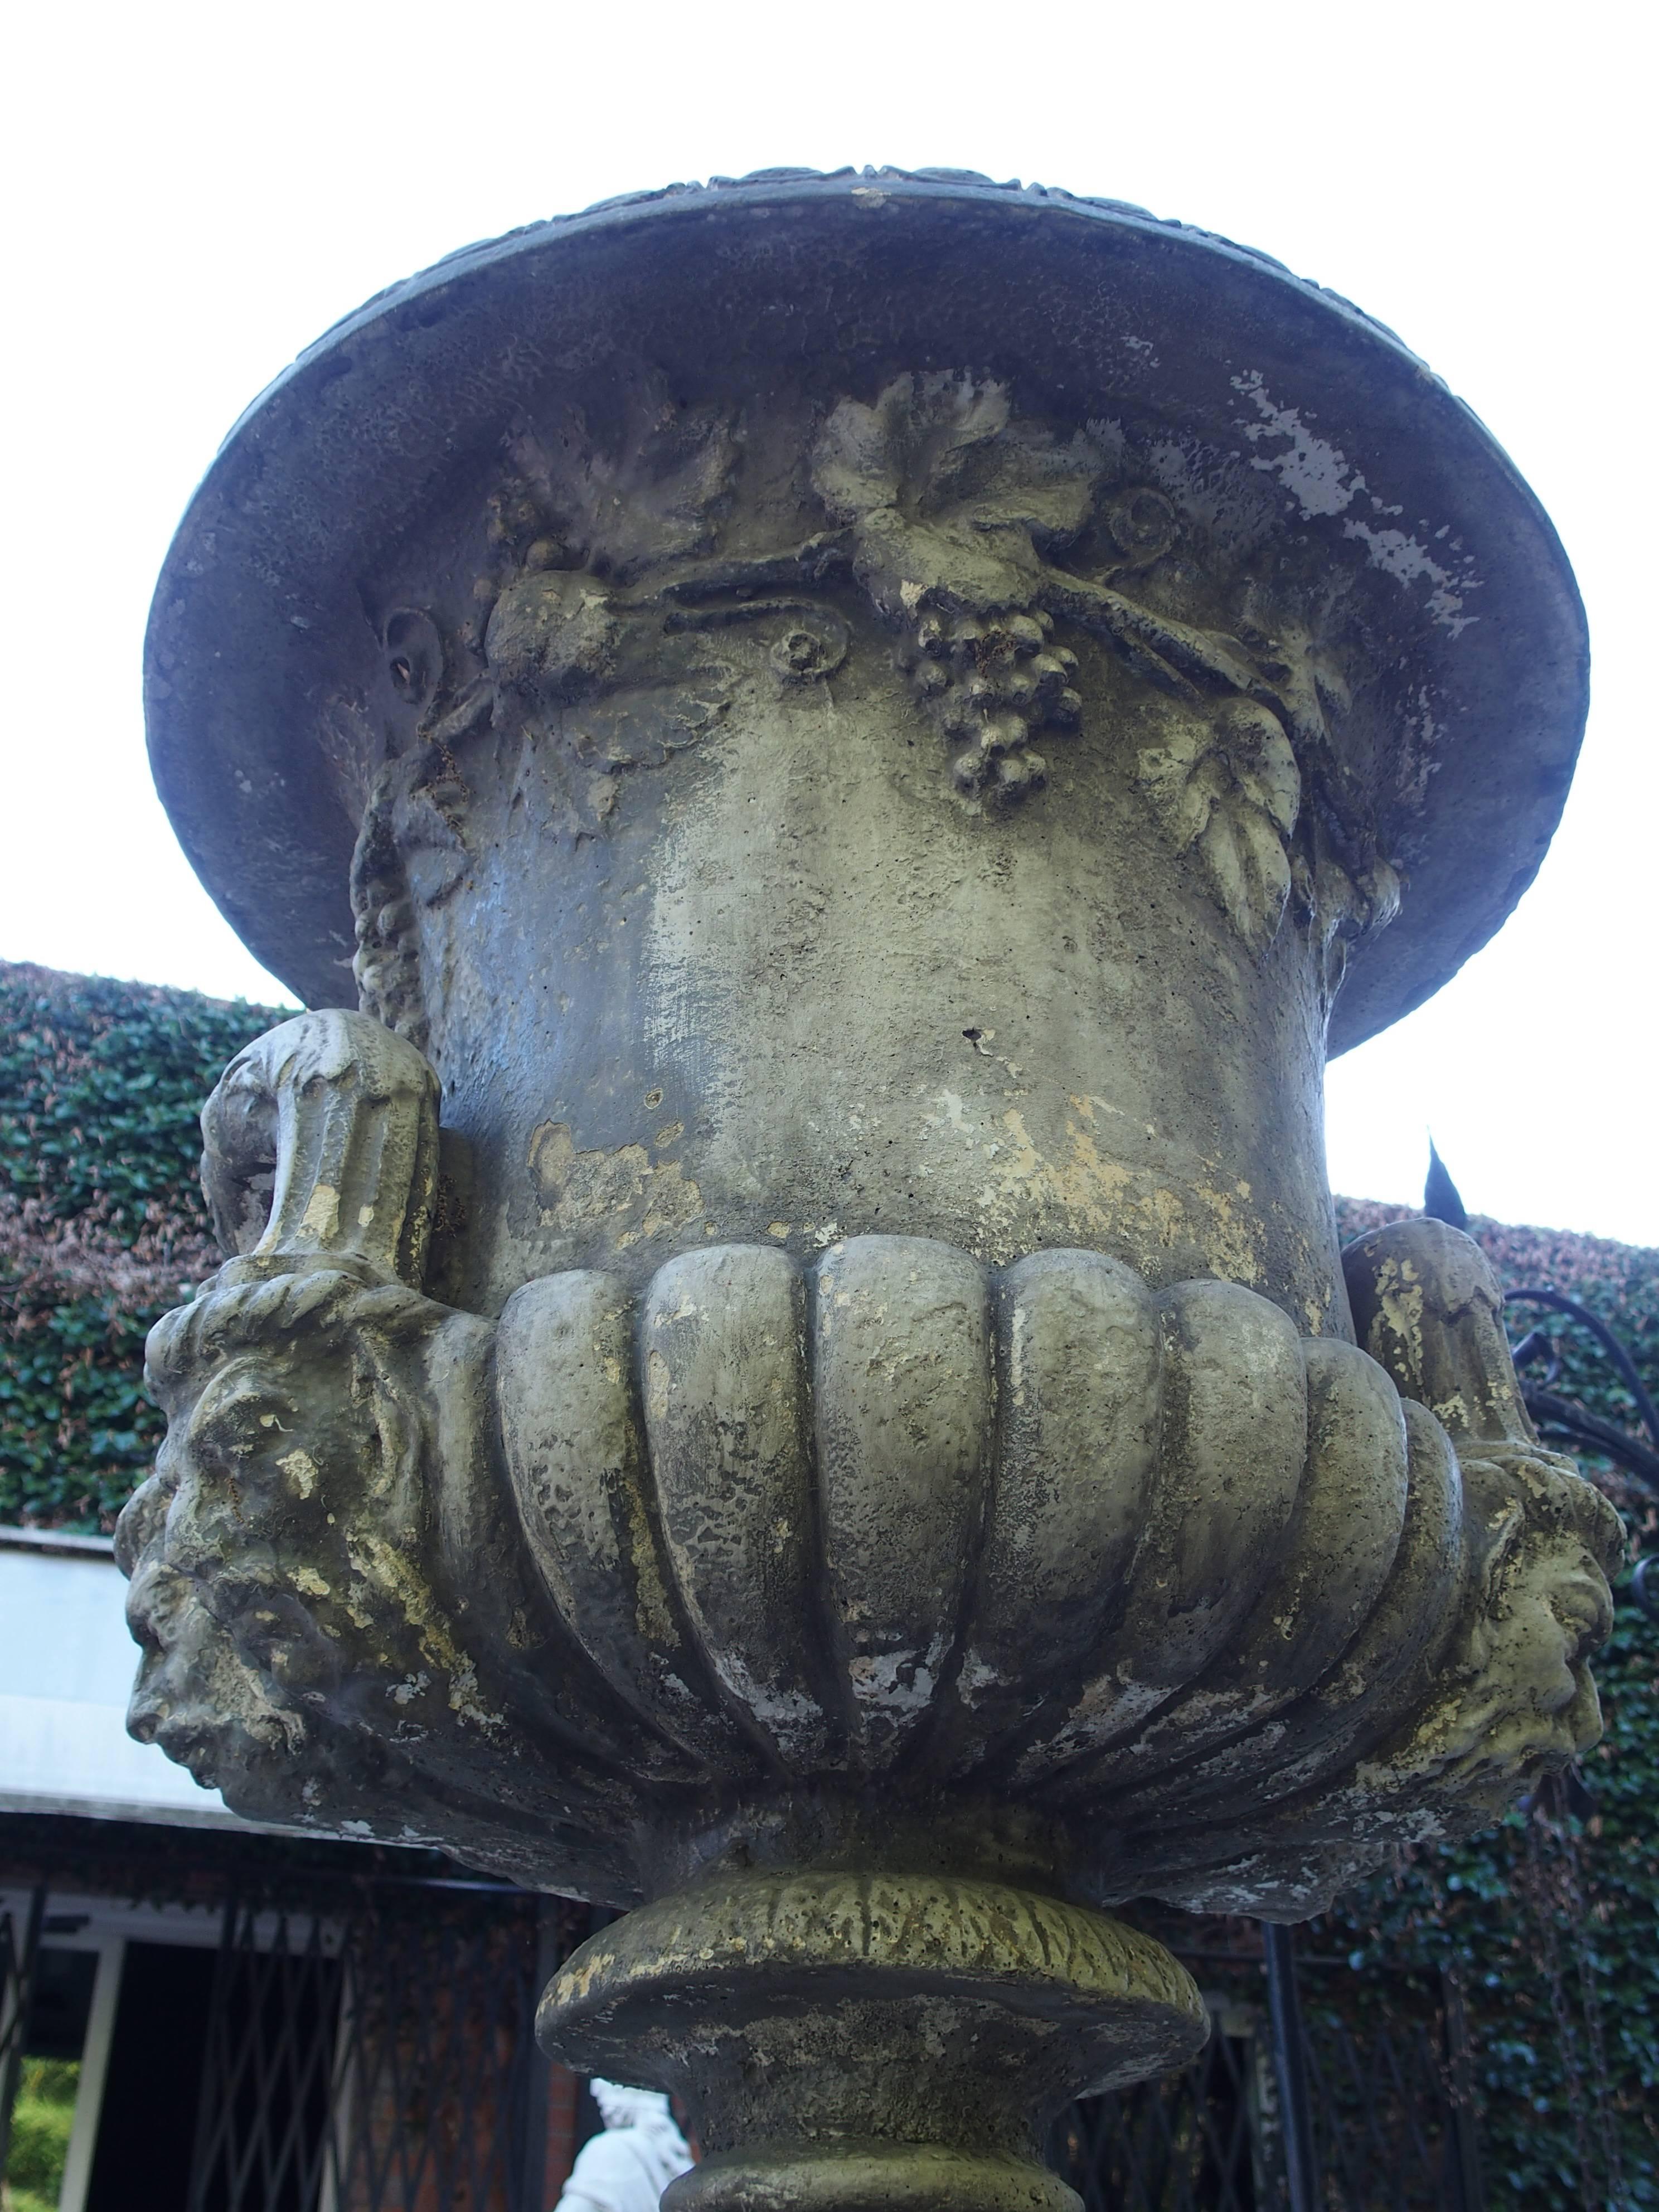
<point x="902" y="1398"/>
<point x="863" y="801"/>
<point x="836" y="287"/>
<point x="727" y="1421"/>
<point x="764" y="1553"/>
<point x="673" y="606"/>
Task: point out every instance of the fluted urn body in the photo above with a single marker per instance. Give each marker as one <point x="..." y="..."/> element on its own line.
<point x="851" y="742"/>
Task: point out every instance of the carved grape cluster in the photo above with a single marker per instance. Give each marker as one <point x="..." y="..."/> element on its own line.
<point x="990" y="681"/>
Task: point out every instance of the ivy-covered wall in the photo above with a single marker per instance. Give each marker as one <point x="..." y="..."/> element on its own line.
<point x="102" y="1226"/>
<point x="1552" y="1919"/>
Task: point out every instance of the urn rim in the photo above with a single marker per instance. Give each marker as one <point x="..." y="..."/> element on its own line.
<point x="255" y="610"/>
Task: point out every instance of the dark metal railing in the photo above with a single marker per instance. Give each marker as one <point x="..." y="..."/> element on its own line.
<point x="385" y="2061"/>
<point x="19" y="1953"/>
<point x="1293" y="2105"/>
<point x="1563" y="1421"/>
<point x="268" y="2091"/>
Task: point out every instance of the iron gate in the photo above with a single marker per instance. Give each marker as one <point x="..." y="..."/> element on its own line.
<point x="1384" y="2105"/>
<point x="386" y="2063"/>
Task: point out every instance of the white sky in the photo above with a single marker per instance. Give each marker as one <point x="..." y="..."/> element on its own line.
<point x="197" y="191"/>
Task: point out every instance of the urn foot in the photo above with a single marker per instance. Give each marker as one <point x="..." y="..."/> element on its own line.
<point x="855" y="2043"/>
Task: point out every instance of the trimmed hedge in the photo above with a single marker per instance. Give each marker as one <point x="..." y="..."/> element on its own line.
<point x="102" y="1226"/>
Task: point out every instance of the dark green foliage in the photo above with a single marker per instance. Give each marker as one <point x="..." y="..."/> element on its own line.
<point x="101" y="1223"/>
<point x="77" y="1431"/>
<point x="41" y="2123"/>
<point x="1553" y="1919"/>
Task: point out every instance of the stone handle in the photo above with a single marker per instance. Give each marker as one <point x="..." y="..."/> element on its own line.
<point x="1428" y="1308"/>
<point x="321" y="1145"/>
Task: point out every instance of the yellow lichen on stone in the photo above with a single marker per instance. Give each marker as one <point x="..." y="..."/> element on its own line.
<point x="321" y="1218"/>
<point x="622" y="1190"/>
<point x="298" y="1464"/>
<point x="392" y="1576"/>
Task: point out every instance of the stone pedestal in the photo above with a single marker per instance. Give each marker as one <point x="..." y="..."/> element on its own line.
<point x="851" y="742"/>
<point x="863" y="2040"/>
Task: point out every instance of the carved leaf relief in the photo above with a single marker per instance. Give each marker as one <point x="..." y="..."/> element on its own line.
<point x="948" y="499"/>
<point x="642" y="576"/>
<point x="618" y="506"/>
<point x="1226" y="787"/>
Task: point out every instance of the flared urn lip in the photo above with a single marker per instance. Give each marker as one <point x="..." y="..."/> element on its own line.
<point x="1081" y="305"/>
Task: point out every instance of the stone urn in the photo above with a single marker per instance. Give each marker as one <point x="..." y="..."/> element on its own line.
<point x="830" y="756"/>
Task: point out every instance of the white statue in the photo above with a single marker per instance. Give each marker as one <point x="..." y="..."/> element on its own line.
<point x="627" y="2167"/>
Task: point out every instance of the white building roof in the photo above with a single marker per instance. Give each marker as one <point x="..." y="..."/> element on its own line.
<point x="67" y="1664"/>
